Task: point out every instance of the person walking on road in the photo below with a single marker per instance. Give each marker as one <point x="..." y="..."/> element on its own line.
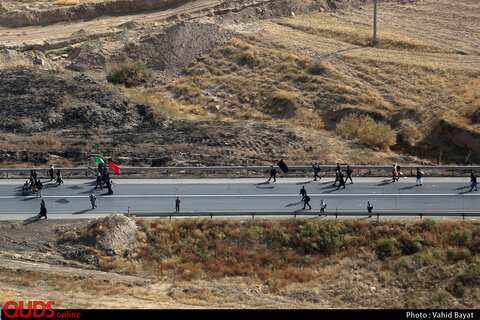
<point x="39" y="187"/>
<point x="341" y="179"/>
<point x="473" y="180"/>
<point x="303" y="193"/>
<point x="43" y="210"/>
<point x="349" y="174"/>
<point x="92" y="200"/>
<point x="59" y="177"/>
<point x="33" y="175"/>
<point x="109" y="186"/>
<point x="273" y="174"/>
<point x="316" y="171"/>
<point x="51" y="172"/>
<point x="323" y="206"/>
<point x="394" y="173"/>
<point x="337" y="174"/>
<point x="369" y="207"/>
<point x="177" y="205"/>
<point x="419" y="177"/>
<point x="99" y="181"/>
<point x="306" y="202"/>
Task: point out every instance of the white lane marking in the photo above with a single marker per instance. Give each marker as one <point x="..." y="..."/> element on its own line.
<point x="248" y="195"/>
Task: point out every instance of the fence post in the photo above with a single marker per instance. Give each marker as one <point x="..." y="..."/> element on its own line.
<point x="336" y="213"/>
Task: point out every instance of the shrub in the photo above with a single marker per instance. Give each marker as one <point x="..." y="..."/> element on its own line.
<point x="469" y="278"/>
<point x="410" y="244"/>
<point x="318" y="67"/>
<point x="456" y="254"/>
<point x="386" y="248"/>
<point x="130" y="73"/>
<point x="366" y="131"/>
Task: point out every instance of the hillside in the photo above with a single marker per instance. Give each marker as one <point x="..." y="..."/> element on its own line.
<point x="312" y="70"/>
<point x="308" y="67"/>
<point x="280" y="71"/>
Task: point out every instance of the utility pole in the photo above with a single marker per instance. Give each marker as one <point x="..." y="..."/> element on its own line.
<point x="374" y="22"/>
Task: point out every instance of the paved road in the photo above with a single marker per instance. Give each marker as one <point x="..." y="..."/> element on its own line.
<point x="439" y="196"/>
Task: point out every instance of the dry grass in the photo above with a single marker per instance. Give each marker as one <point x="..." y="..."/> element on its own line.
<point x="415" y="77"/>
<point x="285" y="263"/>
<point x="339" y="257"/>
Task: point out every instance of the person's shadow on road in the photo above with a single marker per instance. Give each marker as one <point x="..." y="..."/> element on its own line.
<point x="31" y="220"/>
<point x="261" y="185"/>
<point x="82" y="211"/>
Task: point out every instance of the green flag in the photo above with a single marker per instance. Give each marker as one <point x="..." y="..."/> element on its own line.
<point x="99" y="160"/>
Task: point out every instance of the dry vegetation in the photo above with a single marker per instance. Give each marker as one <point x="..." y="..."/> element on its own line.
<point x="342" y="264"/>
<point x="312" y="70"/>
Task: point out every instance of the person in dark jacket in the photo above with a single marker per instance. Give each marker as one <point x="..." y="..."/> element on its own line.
<point x="33" y="174"/>
<point x="303" y="193"/>
<point x="39" y="187"/>
<point x="473" y="180"/>
<point x="316" y="171"/>
<point x="99" y="181"/>
<point x="419" y="177"/>
<point x="43" y="210"/>
<point x="337" y="174"/>
<point x="349" y="174"/>
<point x="341" y="179"/>
<point x="273" y="174"/>
<point x="51" y="172"/>
<point x="177" y="205"/>
<point x="306" y="202"/>
<point x="59" y="177"/>
<point x="109" y="186"/>
<point x="369" y="207"/>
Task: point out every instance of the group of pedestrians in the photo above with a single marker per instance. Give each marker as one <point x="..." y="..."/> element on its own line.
<point x="102" y="177"/>
<point x="341" y="178"/>
<point x="323" y="205"/>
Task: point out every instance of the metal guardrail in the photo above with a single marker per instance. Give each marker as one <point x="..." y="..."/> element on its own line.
<point x="325" y="168"/>
<point x="312" y="214"/>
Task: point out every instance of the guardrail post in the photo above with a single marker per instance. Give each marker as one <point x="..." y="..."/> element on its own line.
<point x="378" y="216"/>
<point x="463" y="215"/>
<point x="211" y="216"/>
<point x="421" y="216"/>
<point x="336" y="213"/>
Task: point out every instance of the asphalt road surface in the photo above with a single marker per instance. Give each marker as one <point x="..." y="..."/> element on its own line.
<point x="243" y="196"/>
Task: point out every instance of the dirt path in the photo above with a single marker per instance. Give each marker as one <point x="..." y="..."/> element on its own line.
<point x="14" y="265"/>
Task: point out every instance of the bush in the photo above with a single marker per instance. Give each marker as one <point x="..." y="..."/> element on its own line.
<point x="386" y="248"/>
<point x="130" y="73"/>
<point x="469" y="278"/>
<point x="366" y="131"/>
